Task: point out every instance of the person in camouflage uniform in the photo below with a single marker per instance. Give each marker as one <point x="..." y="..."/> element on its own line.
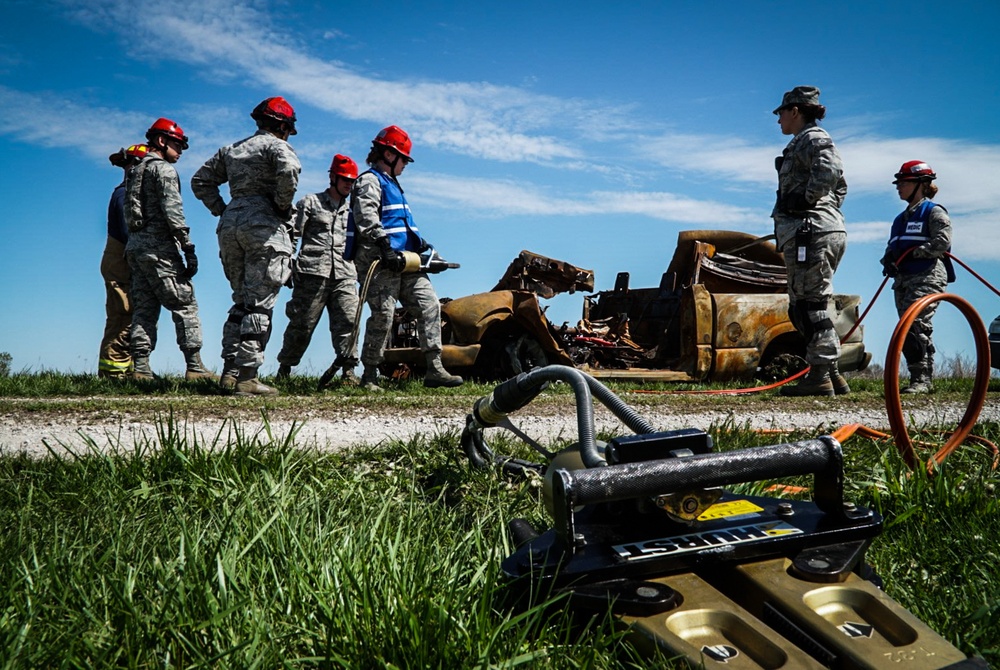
<point x="323" y="278"/>
<point x="158" y="234"/>
<point x="255" y="235"/>
<point x="381" y="228"/>
<point x="809" y="231"/>
<point x="115" y="358"/>
<point x="916" y="258"/>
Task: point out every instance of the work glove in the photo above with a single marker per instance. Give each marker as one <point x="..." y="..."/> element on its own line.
<point x="190" y="261"/>
<point x="889" y="268"/>
<point x="424" y="246"/>
<point x="391" y="259"/>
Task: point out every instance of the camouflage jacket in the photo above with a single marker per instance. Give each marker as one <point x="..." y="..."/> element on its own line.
<point x="261" y="168"/>
<point x="321" y="224"/>
<point x="153" y="194"/>
<point x="811" y="186"/>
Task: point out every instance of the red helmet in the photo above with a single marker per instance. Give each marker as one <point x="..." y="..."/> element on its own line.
<point x="395" y="138"/>
<point x="343" y="166"/>
<point x="167" y="128"/>
<point x="278" y="109"/>
<point x="914" y="171"/>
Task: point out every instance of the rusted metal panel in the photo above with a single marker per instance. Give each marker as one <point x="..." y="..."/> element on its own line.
<point x="750" y="321"/>
<point x="544" y="276"/>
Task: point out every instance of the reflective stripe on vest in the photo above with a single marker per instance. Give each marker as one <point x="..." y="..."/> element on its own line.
<point x="910" y="229"/>
<point x="397" y="221"/>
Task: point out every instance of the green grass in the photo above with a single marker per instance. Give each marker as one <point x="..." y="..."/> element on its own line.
<point x="248" y="551"/>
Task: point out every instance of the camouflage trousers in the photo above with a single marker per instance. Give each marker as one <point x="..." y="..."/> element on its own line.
<point x="311" y="295"/>
<point x="115" y="359"/>
<point x="810" y="288"/>
<point x="257" y="263"/>
<point x="417" y="295"/>
<point x="156" y="284"/>
<point x="908" y="288"/>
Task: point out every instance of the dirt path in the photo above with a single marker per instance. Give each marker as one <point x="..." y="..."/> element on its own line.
<point x="35" y="426"/>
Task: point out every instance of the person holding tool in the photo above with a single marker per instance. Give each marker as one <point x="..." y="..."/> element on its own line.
<point x="323" y="279"/>
<point x="158" y="235"/>
<point x="916" y="259"/>
<point x="809" y="231"/>
<point x="115" y="359"/>
<point x="381" y="229"/>
<point x="255" y="235"/>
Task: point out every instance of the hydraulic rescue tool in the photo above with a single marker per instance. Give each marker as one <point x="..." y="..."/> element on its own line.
<point x="428" y="261"/>
<point x="642" y="525"/>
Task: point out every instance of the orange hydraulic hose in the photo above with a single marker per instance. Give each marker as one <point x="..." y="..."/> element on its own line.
<point x="981" y="383"/>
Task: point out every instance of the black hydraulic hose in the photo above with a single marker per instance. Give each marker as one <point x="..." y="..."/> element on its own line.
<point x="515" y="393"/>
<point x="618" y="407"/>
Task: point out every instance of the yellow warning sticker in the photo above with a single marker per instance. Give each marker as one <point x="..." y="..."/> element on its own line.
<point x="728" y="509"/>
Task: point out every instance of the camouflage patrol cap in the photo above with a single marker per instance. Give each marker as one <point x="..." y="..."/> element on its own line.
<point x="800" y="95"/>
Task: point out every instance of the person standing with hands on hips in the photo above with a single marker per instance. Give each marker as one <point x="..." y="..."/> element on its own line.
<point x="380" y="228"/>
<point x="158" y="235"/>
<point x="923" y="230"/>
<point x="809" y="231"/>
<point x="323" y="278"/>
<point x="255" y="235"/>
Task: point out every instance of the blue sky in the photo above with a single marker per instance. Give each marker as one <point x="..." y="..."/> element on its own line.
<point x="589" y="131"/>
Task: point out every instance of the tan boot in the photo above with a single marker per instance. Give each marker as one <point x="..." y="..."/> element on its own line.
<point x="348" y="378"/>
<point x="369" y="380"/>
<point x="840" y="386"/>
<point x="247" y="384"/>
<point x="920" y="380"/>
<point x="141" y="370"/>
<point x="816" y="382"/>
<point x="436" y="375"/>
<point x="227" y="382"/>
<point x="195" y="368"/>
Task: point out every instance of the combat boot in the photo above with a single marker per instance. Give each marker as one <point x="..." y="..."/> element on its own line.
<point x="348" y="378"/>
<point x="141" y="370"/>
<point x="816" y="382"/>
<point x="369" y="379"/>
<point x="284" y="371"/>
<point x="247" y="384"/>
<point x="195" y="368"/>
<point x="840" y="386"/>
<point x="436" y="375"/>
<point x="227" y="382"/>
<point x="920" y="380"/>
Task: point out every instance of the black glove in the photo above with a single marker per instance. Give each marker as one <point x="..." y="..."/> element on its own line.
<point x="391" y="259"/>
<point x="424" y="246"/>
<point x="889" y="268"/>
<point x="191" y="261"/>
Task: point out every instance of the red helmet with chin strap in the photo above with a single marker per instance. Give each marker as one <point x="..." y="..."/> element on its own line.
<point x="914" y="171"/>
<point x="396" y="139"/>
<point x="343" y="166"/>
<point x="167" y="128"/>
<point x="277" y="109"/>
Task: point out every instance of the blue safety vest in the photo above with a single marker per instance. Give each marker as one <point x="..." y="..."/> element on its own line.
<point x="910" y="229"/>
<point x="397" y="221"/>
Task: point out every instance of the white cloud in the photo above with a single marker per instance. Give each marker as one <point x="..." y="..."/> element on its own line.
<point x="505" y="198"/>
<point x="471" y="118"/>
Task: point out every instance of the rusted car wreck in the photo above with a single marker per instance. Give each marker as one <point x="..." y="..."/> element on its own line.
<point x="719" y="313"/>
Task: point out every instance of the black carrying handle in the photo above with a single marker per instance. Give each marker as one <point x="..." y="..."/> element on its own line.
<point x="822" y="457"/>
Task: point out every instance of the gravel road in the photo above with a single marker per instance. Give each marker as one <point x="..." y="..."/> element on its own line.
<point x="36" y="426"/>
